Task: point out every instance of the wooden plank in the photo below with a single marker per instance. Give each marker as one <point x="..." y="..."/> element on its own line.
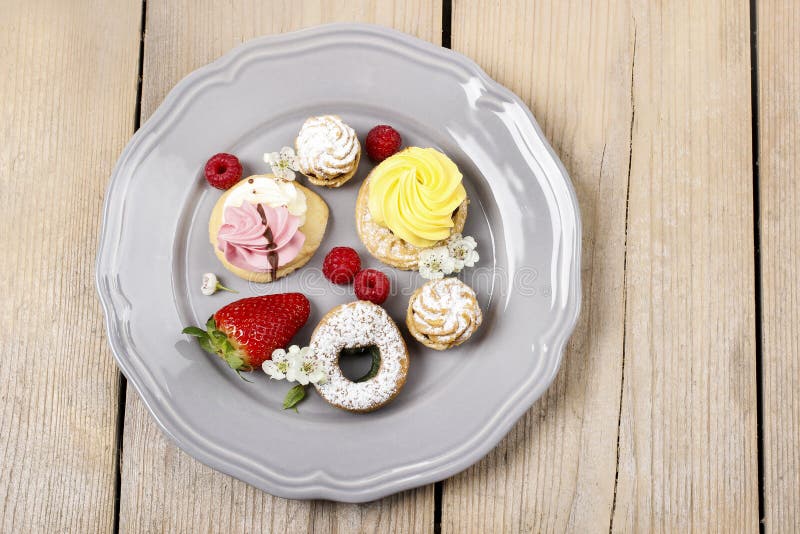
<point x="779" y="164"/>
<point x="688" y="442"/>
<point x="571" y="63"/>
<point x="164" y="489"/>
<point x="68" y="94"/>
<point x="688" y="424"/>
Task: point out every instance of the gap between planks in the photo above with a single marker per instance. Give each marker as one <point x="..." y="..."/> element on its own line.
<point x="123" y="382"/>
<point x="438" y="487"/>
<point x="624" y="278"/>
<point x="757" y="262"/>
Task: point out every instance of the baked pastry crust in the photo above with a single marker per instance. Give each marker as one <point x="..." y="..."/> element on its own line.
<point x="328" y="181"/>
<point x="339" y="180"/>
<point x="313" y="228"/>
<point x="384" y="245"/>
<point x="443" y="313"/>
<point x="358" y="325"/>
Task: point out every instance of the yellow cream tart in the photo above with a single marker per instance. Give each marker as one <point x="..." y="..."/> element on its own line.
<point x="412" y="201"/>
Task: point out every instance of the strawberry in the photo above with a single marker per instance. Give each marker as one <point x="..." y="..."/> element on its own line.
<point x="246" y="332"/>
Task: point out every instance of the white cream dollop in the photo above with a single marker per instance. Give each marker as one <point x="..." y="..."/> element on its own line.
<point x="326" y="147"/>
<point x="274" y="193"/>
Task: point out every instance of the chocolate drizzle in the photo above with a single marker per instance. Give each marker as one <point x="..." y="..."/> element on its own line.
<point x="272" y="256"/>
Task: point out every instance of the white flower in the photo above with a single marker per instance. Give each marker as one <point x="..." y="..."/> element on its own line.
<point x="435" y="263"/>
<point x="457" y="253"/>
<point x="462" y="249"/>
<point x="283" y="163"/>
<point x="278" y="366"/>
<point x="295" y="365"/>
<point x="211" y="284"/>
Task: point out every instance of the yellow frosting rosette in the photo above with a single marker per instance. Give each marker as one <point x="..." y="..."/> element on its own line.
<point x="414" y="194"/>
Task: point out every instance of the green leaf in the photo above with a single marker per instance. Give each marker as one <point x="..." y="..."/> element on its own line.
<point x="371" y="350"/>
<point x="294" y="396"/>
<point x="194" y="331"/>
<point x="205" y="344"/>
<point x="234" y="360"/>
<point x="218" y="338"/>
<point x="216" y="342"/>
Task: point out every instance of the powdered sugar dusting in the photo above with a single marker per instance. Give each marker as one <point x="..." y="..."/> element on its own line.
<point x="444" y="312"/>
<point x="360" y="324"/>
<point x="326" y="147"/>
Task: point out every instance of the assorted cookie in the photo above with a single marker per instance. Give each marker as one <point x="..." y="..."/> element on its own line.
<point x="328" y="151"/>
<point x="443" y="313"/>
<point x="410" y="213"/>
<point x="412" y="201"/>
<point x="264" y="228"/>
<point x="355" y="325"/>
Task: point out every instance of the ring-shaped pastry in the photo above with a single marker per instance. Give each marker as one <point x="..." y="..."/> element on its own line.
<point x="354" y="325"/>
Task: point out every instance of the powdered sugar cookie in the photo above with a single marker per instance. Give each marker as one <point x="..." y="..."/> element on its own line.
<point x="443" y="313"/>
<point x="360" y="324"/>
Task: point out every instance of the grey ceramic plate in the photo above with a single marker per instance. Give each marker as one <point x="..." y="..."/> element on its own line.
<point x="457" y="404"/>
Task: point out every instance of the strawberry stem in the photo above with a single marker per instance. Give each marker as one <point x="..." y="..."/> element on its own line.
<point x="239" y="372"/>
<point x="216" y="342"/>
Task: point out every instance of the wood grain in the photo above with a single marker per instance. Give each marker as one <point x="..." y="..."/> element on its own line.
<point x="163" y="489"/>
<point x="647" y="104"/>
<point x="688" y="441"/>
<point x="779" y="164"/>
<point x="665" y="89"/>
<point x="555" y="470"/>
<point x="68" y="94"/>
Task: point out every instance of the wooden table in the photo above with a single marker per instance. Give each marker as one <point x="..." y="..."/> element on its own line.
<point x="677" y="406"/>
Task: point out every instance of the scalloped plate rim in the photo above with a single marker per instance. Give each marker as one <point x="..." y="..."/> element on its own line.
<point x="318" y="484"/>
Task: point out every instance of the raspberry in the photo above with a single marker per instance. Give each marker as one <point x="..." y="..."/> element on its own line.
<point x="382" y="142"/>
<point x="223" y="170"/>
<point x="341" y="265"/>
<point x="372" y="285"/>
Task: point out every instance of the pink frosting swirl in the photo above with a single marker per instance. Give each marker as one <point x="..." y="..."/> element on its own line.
<point x="241" y="237"/>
